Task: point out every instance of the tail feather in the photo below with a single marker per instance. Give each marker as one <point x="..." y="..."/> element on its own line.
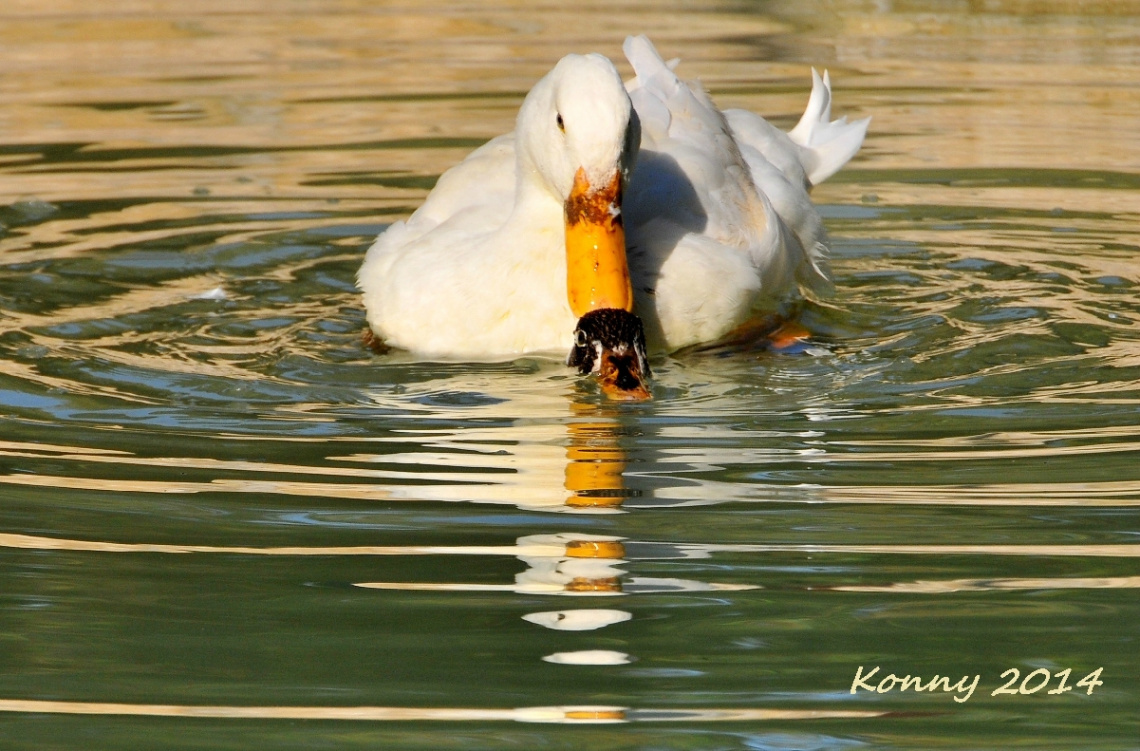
<point x="828" y="144"/>
<point x="818" y="108"/>
<point x="650" y="67"/>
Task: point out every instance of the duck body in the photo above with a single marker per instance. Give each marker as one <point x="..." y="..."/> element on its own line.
<point x="718" y="223"/>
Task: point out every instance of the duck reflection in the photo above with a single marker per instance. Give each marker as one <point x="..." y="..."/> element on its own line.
<point x="575" y="565"/>
<point x="514" y="437"/>
<point x="595" y="459"/>
<point x="578" y="565"/>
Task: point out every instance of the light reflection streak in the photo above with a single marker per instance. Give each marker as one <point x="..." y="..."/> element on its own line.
<point x="817" y="455"/>
<point x="569" y="459"/>
<point x="485" y="492"/>
<point x="557" y="714"/>
<point x="1003" y="438"/>
<point x="63" y="389"/>
<point x="129" y="302"/>
<point x="32" y="542"/>
<point x="581" y="565"/>
<point x="526" y="490"/>
<point x="565" y="455"/>
<point x="700" y="491"/>
<point x="931" y="587"/>
<point x="1106" y="493"/>
<point x="1098" y="551"/>
<point x="571" y="546"/>
<point x="571" y="565"/>
<point x="645" y="585"/>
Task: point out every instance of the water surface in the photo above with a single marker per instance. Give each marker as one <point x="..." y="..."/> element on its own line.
<point x="224" y="523"/>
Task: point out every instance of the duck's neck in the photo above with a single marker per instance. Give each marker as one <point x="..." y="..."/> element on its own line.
<point x="530" y="252"/>
<point x="535" y="208"/>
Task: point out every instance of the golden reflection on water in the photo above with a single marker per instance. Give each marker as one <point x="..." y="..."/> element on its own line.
<point x="573" y="461"/>
<point x="557" y="715"/>
<point x="953" y="586"/>
<point x="573" y="464"/>
<point x="279" y="95"/>
<point x="571" y="547"/>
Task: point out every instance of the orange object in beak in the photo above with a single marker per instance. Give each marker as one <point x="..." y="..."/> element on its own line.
<point x="597" y="272"/>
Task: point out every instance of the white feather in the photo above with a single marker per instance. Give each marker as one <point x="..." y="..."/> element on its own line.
<point x="719" y="224"/>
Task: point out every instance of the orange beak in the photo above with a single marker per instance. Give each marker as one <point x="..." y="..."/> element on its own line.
<point x="597" y="272"/>
<point x="620" y="377"/>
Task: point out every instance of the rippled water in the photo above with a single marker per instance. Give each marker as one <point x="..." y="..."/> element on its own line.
<point x="224" y="523"/>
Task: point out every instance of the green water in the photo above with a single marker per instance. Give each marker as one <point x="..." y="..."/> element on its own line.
<point x="200" y="462"/>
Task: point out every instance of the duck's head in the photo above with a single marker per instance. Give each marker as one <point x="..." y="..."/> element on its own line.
<point x="611" y="343"/>
<point x="578" y="136"/>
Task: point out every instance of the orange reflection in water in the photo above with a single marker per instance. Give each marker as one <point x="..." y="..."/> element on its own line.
<point x="595" y="460"/>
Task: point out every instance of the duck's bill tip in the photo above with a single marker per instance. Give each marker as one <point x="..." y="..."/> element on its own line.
<point x="622" y="378"/>
<point x="639" y="393"/>
<point x="610" y="342"/>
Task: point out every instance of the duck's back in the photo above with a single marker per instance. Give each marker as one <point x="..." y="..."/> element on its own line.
<point x="724" y="194"/>
<point x="706" y="244"/>
<point x="688" y="154"/>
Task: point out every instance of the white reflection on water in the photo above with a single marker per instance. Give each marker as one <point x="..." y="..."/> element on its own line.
<point x="586" y="619"/>
<point x="588" y="657"/>
<point x="575" y="565"/>
<point x="1113" y="494"/>
<point x="580" y="564"/>
<point x="537" y="441"/>
<point x="561" y="454"/>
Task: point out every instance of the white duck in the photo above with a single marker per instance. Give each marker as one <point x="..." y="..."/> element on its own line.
<point x="539" y="227"/>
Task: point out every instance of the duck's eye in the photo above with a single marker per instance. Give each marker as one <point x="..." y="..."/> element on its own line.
<point x="579" y="338"/>
<point x="561" y="124"/>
